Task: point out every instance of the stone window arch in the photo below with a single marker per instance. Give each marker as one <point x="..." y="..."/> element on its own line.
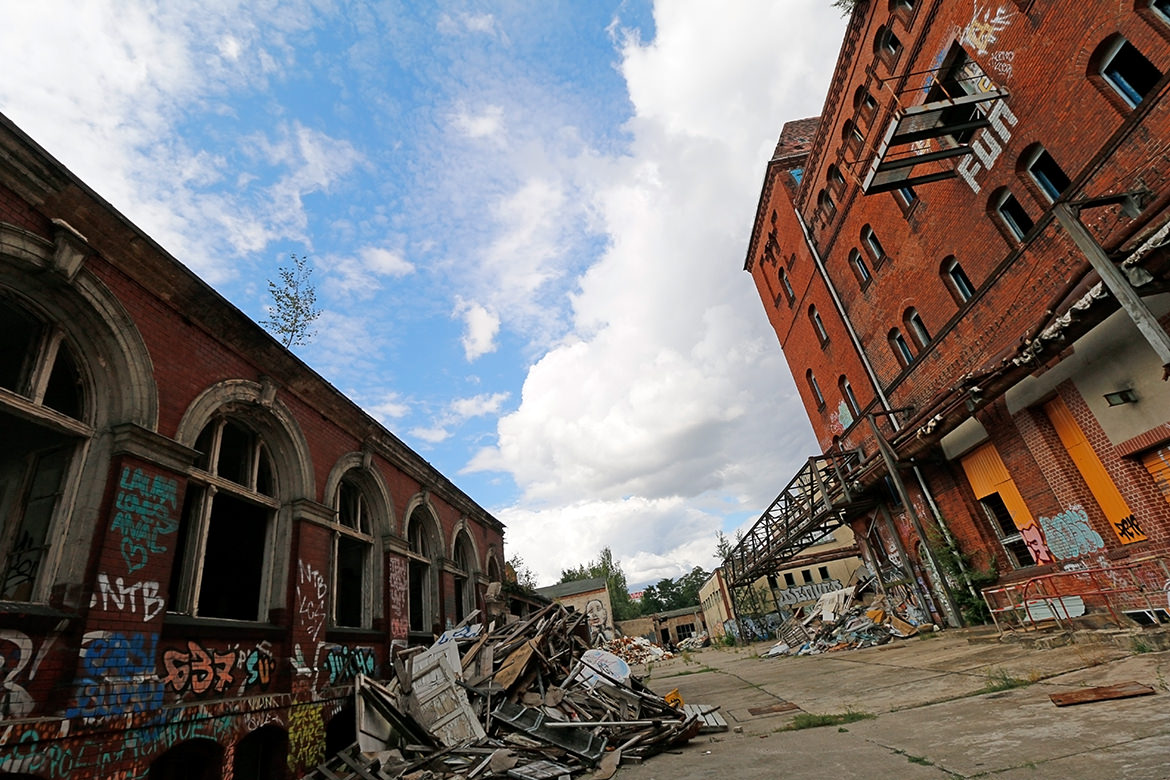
<point x="361" y="519"/>
<point x="74" y="372"/>
<point x="464" y="560"/>
<point x="424" y="548"/>
<point x="237" y="512"/>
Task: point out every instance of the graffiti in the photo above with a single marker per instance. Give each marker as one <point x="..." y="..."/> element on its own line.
<point x="1001" y="63"/>
<point x="396" y="580"/>
<point x="198" y="669"/>
<point x="118" y="675"/>
<point x="1033" y="538"/>
<point x="799" y="593"/>
<point x="983" y="28"/>
<point x="258" y="665"/>
<point x="124" y="596"/>
<point x="1128" y="530"/>
<point x="37" y="754"/>
<point x="344" y="663"/>
<point x="300" y="666"/>
<point x="600" y="624"/>
<point x="17" y="662"/>
<point x="306" y="737"/>
<point x="463" y="632"/>
<point x="143" y="512"/>
<point x="844" y="415"/>
<point x="986" y="146"/>
<point x="1069" y="534"/>
<point x="311" y="598"/>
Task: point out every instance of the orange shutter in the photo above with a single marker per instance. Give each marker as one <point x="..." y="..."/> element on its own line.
<point x="1100" y="485"/>
<point x="1157" y="463"/>
<point x="987" y="475"/>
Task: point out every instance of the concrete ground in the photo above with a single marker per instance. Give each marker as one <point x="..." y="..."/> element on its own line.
<point x="943" y="710"/>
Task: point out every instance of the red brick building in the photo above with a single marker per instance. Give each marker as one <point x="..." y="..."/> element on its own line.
<point x="964" y="261"/>
<point x="203" y="542"/>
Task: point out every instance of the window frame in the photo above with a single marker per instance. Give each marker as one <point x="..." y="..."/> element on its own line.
<point x="916" y="327"/>
<point x="814" y="317"/>
<point x="361" y="532"/>
<point x="849" y="397"/>
<point x="786" y="285"/>
<point x="860" y="269"/>
<point x="1005" y="203"/>
<point x="815" y="388"/>
<point x="1120" y="84"/>
<point x="873" y="246"/>
<point x="901" y="349"/>
<point x="1043" y="178"/>
<point x="961" y="287"/>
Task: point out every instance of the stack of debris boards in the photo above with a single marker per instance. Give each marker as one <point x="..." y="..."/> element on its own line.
<point x="528" y="700"/>
<point x="837" y="622"/>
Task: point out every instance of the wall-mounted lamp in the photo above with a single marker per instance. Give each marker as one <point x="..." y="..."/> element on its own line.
<point x="1119" y="397"/>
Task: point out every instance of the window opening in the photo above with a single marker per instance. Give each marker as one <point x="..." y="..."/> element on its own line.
<point x="789" y="580"/>
<point x="1005" y="528"/>
<point x="917" y="327"/>
<point x="30" y="540"/>
<point x="806" y="576"/>
<point x="860" y="268"/>
<point x="1014" y="215"/>
<point x="872" y="245"/>
<point x="959" y="284"/>
<point x="815" y="388"/>
<point x="901" y="348"/>
<point x="1128" y="71"/>
<point x="352" y="551"/>
<point x="823" y="571"/>
<point x="849" y="397"/>
<point x="787" y="285"/>
<point x="818" y="326"/>
<point x="421" y="574"/>
<point x="1049" y="176"/>
<point x="959" y="77"/>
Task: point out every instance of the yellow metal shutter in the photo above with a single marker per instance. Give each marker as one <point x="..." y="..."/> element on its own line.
<point x="1100" y="485"/>
<point x="987" y="475"/>
<point x="1157" y="462"/>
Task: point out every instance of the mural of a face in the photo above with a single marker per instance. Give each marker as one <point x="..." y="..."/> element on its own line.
<point x="597" y="617"/>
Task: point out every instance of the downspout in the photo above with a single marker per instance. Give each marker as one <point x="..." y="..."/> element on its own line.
<point x="877" y="386"/>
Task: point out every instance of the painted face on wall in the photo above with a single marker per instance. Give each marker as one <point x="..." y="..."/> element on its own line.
<point x="595" y="614"/>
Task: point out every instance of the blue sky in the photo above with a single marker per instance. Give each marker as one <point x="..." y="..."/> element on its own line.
<point x="527" y="222"/>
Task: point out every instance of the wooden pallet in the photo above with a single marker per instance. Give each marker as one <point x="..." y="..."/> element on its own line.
<point x="712" y="721"/>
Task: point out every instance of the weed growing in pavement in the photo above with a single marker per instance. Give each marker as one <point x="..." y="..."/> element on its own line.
<point x="806" y="720"/>
<point x="1000" y="680"/>
<point x="923" y="761"/>
<point x="685" y="672"/>
<point x="1139" y="646"/>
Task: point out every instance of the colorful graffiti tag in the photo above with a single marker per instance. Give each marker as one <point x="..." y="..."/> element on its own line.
<point x="144" y="510"/>
<point x="117" y="675"/>
<point x="198" y="669"/>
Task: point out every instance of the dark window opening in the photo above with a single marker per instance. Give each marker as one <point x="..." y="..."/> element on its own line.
<point x="418" y="577"/>
<point x="32" y="477"/>
<point x="195" y="759"/>
<point x="233" y="559"/>
<point x="261" y="755"/>
<point x="63" y="392"/>
<point x="823" y="571"/>
<point x="1048" y="175"/>
<point x="874" y="247"/>
<point x="806" y="576"/>
<point x="917" y="327"/>
<point x="236" y="449"/>
<point x="957" y="281"/>
<point x="1005" y="528"/>
<point x="350" y="577"/>
<point x="19" y="336"/>
<point x="1129" y="72"/>
<point x="901" y="348"/>
<point x="959" y="76"/>
<point x="789" y="580"/>
<point x="1014" y="216"/>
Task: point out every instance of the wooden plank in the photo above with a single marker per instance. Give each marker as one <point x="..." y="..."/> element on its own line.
<point x="710" y="721"/>
<point x="1123" y="690"/>
<point x="514" y="665"/>
<point x="784" y="706"/>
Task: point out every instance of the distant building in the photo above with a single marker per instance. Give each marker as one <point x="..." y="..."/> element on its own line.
<point x="203" y="541"/>
<point x="590" y="597"/>
<point x="963" y="258"/>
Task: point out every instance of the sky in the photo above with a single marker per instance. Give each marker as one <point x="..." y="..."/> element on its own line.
<point x="527" y="223"/>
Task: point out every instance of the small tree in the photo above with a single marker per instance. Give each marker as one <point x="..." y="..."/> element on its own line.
<point x="520" y="573"/>
<point x="293" y="303"/>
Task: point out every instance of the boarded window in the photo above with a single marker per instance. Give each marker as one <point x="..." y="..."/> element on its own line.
<point x="1020" y="536"/>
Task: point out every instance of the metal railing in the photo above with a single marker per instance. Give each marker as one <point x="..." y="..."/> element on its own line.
<point x="1138" y="586"/>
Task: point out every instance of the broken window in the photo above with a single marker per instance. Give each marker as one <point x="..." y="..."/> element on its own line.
<point x="823" y="571"/>
<point x="223" y="555"/>
<point x="421" y="573"/>
<point x="1127" y="71"/>
<point x="352" y="554"/>
<point x="42" y="404"/>
<point x="789" y="580"/>
<point x="956" y="280"/>
<point x="1005" y="528"/>
<point x="464" y="578"/>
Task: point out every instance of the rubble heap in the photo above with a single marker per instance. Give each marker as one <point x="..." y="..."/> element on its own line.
<point x="636" y="649"/>
<point x="530" y="700"/>
<point x="838" y="622"/>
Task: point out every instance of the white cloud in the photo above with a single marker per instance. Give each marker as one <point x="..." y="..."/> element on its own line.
<point x="668" y="402"/>
<point x="472" y="23"/>
<point x="358" y="275"/>
<point x="478" y="405"/>
<point x="488" y="123"/>
<point x="431" y="435"/>
<point x="391" y="407"/>
<point x="480" y="329"/>
<point x="384" y="262"/>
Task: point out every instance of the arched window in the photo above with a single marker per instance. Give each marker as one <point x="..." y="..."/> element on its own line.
<point x="1045" y="172"/>
<point x="422" y="573"/>
<point x="851" y="137"/>
<point x="886" y="45"/>
<point x="834" y="178"/>
<point x="826" y="205"/>
<point x="352" y="554"/>
<point x="917" y="327"/>
<point x="814" y="388"/>
<point x="227" y="523"/>
<point x="860" y="268"/>
<point x="901" y="349"/>
<point x="814" y="317"/>
<point x="465" y="576"/>
<point x="848" y="397"/>
<point x="1124" y="70"/>
<point x="1011" y="213"/>
<point x="44" y="419"/>
<point x="786" y="286"/>
<point x="864" y="105"/>
<point x="956" y="280"/>
<point x="873" y="247"/>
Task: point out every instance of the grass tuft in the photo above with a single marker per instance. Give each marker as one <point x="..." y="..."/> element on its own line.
<point x="1000" y="680"/>
<point x="807" y="720"/>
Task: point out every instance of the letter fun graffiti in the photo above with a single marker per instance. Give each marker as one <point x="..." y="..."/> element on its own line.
<point x="144" y="511"/>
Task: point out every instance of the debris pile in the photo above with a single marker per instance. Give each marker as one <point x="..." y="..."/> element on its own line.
<point x="636" y="649"/>
<point x="530" y="700"/>
<point x="694" y="642"/>
<point x="837" y="622"/>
